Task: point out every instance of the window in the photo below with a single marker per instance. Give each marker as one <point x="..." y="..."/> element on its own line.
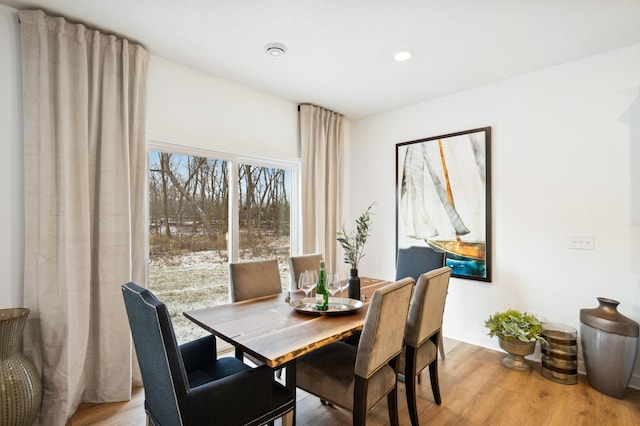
<point x="199" y="222"/>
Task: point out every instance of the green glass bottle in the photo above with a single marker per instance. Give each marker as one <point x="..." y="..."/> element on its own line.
<point x="322" y="295"/>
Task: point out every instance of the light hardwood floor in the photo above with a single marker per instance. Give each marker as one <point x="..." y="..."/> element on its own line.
<point x="476" y="390"/>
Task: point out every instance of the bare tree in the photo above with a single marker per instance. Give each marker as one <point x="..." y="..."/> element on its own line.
<point x="187" y="196"/>
<point x="165" y="161"/>
<point x="190" y="194"/>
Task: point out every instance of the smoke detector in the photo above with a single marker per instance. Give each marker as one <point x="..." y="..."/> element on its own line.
<point x="275" y="50"/>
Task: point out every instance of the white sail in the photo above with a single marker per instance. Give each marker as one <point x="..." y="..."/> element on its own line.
<point x="442" y="202"/>
<point x="452" y="214"/>
<point x="412" y="196"/>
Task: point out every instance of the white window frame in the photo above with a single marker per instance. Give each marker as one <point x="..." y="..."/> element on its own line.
<point x="235" y="159"/>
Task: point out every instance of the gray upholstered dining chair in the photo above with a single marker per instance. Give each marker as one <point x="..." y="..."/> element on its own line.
<point x="422" y="334"/>
<point x="299" y="264"/>
<point x="357" y="378"/>
<point x="255" y="278"/>
<point x="252" y="279"/>
<point x="187" y="384"/>
<point x="416" y="260"/>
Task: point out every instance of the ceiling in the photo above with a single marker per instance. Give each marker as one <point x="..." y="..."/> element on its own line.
<point x="340" y="51"/>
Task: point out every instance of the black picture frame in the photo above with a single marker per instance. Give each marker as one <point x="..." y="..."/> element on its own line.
<point x="443" y="199"/>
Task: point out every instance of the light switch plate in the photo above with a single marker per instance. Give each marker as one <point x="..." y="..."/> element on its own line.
<point x="581" y="242"/>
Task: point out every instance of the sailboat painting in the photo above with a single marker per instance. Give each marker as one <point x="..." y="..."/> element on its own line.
<point x="443" y="199"/>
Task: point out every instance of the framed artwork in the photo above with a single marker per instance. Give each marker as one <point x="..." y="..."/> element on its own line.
<point x="443" y="199"/>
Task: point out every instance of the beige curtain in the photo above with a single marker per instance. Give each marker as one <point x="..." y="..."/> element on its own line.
<point x="322" y="147"/>
<point x="84" y="147"/>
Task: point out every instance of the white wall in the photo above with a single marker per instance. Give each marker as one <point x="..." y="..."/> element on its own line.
<point x="193" y="108"/>
<point x="11" y="162"/>
<point x="566" y="161"/>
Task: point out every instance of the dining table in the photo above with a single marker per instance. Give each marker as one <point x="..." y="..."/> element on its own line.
<point x="275" y="333"/>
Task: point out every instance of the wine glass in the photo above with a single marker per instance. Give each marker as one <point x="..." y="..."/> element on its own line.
<point x="302" y="283"/>
<point x="307" y="282"/>
<point x="313" y="278"/>
<point x="343" y="282"/>
<point x="332" y="284"/>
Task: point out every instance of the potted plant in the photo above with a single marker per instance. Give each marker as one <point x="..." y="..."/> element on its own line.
<point x="353" y="246"/>
<point x="517" y="334"/>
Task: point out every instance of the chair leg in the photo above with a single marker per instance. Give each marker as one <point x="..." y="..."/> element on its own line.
<point x="435" y="387"/>
<point x="410" y="383"/>
<point x="360" y="402"/>
<point x="392" y="404"/>
<point x="441" y="345"/>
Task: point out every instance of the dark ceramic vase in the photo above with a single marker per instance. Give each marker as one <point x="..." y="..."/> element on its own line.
<point x="354" y="285"/>
<point x="610" y="345"/>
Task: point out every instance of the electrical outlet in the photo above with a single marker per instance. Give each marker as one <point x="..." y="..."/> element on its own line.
<point x="581" y="242"/>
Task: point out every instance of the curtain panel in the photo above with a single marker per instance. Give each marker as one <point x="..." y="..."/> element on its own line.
<point x="85" y="163"/>
<point x="322" y="148"/>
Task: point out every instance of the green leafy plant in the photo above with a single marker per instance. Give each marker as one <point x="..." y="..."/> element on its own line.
<point x="513" y="324"/>
<point x="353" y="242"/>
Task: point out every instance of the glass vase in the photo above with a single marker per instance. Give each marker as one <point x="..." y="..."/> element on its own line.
<point x="354" y="285"/>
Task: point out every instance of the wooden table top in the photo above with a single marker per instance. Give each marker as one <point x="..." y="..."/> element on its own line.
<point x="273" y="332"/>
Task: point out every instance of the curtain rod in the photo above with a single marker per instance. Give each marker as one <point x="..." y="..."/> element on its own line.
<point x="318" y="106"/>
<point x="89" y="27"/>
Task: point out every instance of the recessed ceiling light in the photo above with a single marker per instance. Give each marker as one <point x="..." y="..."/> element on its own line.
<point x="403" y="54"/>
<point x="275" y="50"/>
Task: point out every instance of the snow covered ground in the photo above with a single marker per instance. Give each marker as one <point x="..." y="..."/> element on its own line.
<point x="197" y="280"/>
